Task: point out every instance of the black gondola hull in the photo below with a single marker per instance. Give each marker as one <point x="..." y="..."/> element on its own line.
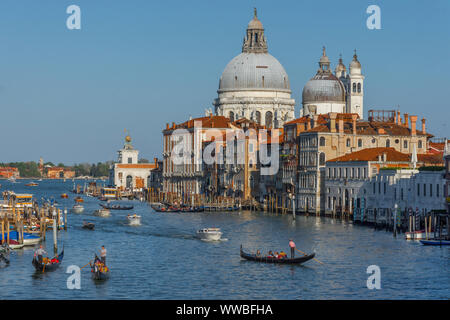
<point x="51" y="267"/>
<point x="298" y="260"/>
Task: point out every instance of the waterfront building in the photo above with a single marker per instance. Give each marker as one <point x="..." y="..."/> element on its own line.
<point x="254" y="84"/>
<point x="60" y="173"/>
<point x="340" y="92"/>
<point x="410" y="190"/>
<point x="342" y="134"/>
<point x="188" y="176"/>
<point x="128" y="173"/>
<point x="9" y="172"/>
<point x="447" y="174"/>
<point x="347" y="177"/>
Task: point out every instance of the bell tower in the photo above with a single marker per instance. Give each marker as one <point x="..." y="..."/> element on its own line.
<point x="355" y="96"/>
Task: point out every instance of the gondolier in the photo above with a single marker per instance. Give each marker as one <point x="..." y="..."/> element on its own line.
<point x="103" y="255"/>
<point x="40" y="253"/>
<point x="292" y="246"/>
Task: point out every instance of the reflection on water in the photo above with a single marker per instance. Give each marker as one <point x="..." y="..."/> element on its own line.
<point x="163" y="259"/>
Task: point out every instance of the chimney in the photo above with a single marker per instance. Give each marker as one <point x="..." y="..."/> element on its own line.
<point x="167" y="126"/>
<point x="423" y="126"/>
<point x="399" y="119"/>
<point x="413" y="125"/>
<point x="315" y="119"/>
<point x="341" y="126"/>
<point x="354" y="117"/>
<point x="156" y="161"/>
<point x="173" y="125"/>
<point x="333" y="116"/>
<point x="308" y="123"/>
<point x="406" y="124"/>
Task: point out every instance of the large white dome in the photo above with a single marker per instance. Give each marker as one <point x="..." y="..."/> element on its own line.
<point x="249" y="71"/>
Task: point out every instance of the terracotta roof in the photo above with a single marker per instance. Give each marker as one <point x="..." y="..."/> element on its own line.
<point x="137" y="166"/>
<point x="206" y="122"/>
<point x="433" y="159"/>
<point x="369" y="128"/>
<point x="371" y="154"/>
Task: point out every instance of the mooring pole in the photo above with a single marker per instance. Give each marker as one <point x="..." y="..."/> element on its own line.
<point x="65" y="219"/>
<point x="55" y="240"/>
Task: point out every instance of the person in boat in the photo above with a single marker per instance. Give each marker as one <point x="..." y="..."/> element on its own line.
<point x="103" y="255"/>
<point x="39" y="254"/>
<point x="270" y="255"/>
<point x="275" y="254"/>
<point x="258" y="253"/>
<point x="292" y="246"/>
<point x="282" y="255"/>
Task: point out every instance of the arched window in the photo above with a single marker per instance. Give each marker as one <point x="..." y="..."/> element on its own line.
<point x="269" y="118"/>
<point x="405" y="144"/>
<point x="354" y="87"/>
<point x="231" y="116"/>
<point x="348" y="143"/>
<point x="129" y="183"/>
<point x="420" y="144"/>
<point x="258" y="117"/>
<point x="322" y="142"/>
<point x="359" y="87"/>
<point x="322" y="159"/>
<point x="388" y="143"/>
<point x="359" y="143"/>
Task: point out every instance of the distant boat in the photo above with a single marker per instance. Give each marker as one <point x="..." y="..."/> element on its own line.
<point x="79" y="199"/>
<point x="116" y="207"/>
<point x="47" y="264"/>
<point x="435" y="242"/>
<point x="212" y="234"/>
<point x="266" y="259"/>
<point x="102" y="213"/>
<point x="78" y="208"/>
<point x="64" y="196"/>
<point x="134" y="219"/>
<point x="32" y="184"/>
<point x="88" y="225"/>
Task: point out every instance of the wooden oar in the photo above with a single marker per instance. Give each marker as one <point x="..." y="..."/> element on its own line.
<point x="306" y="255"/>
<point x="85" y="265"/>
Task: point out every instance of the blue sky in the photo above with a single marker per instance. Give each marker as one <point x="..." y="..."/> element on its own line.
<point x="68" y="95"/>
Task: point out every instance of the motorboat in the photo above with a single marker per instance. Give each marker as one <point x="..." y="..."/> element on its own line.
<point x="134" y="219"/>
<point x="211" y="234"/>
<point x="78" y="208"/>
<point x="102" y="213"/>
<point x="88" y="225"/>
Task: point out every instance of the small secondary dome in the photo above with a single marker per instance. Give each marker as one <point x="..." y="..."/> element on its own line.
<point x="324" y="86"/>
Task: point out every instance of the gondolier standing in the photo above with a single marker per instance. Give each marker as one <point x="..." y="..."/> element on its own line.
<point x="39" y="253"/>
<point x="292" y="246"/>
<point x="103" y="255"/>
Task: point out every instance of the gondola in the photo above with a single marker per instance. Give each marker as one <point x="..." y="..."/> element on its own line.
<point x="435" y="242"/>
<point x="88" y="225"/>
<point x="299" y="260"/>
<point x="48" y="267"/>
<point x="116" y="207"/>
<point x="97" y="272"/>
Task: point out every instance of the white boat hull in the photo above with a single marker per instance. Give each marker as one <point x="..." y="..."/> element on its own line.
<point x="210" y="236"/>
<point x="102" y="213"/>
<point x="31" y="242"/>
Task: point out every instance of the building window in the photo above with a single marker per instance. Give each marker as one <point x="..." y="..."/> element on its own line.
<point x="269" y="118"/>
<point x="431" y="190"/>
<point x="348" y="142"/>
<point x="420" y="144"/>
<point x="231" y="116"/>
<point x="130" y="160"/>
<point x="258" y="117"/>
<point x="322" y="142"/>
<point x="437" y="190"/>
<point x="374" y="187"/>
<point x="384" y="188"/>
<point x="322" y="159"/>
<point x="263" y="81"/>
<point x="359" y="143"/>
<point x="418" y="190"/>
<point x="401" y="194"/>
<point x="354" y="87"/>
<point x="359" y="87"/>
<point x="405" y="144"/>
<point x="424" y="190"/>
<point x="388" y="143"/>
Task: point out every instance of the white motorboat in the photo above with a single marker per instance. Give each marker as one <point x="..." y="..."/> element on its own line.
<point x="102" y="213"/>
<point x="78" y="208"/>
<point x="213" y="234"/>
<point x="134" y="219"/>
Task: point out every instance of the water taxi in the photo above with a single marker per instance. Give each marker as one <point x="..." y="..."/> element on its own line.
<point x="78" y="208"/>
<point x="211" y="234"/>
<point x="109" y="193"/>
<point x="134" y="219"/>
<point x="102" y="213"/>
<point x="32" y="184"/>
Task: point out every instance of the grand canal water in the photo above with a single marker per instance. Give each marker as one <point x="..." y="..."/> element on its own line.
<point x="162" y="259"/>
